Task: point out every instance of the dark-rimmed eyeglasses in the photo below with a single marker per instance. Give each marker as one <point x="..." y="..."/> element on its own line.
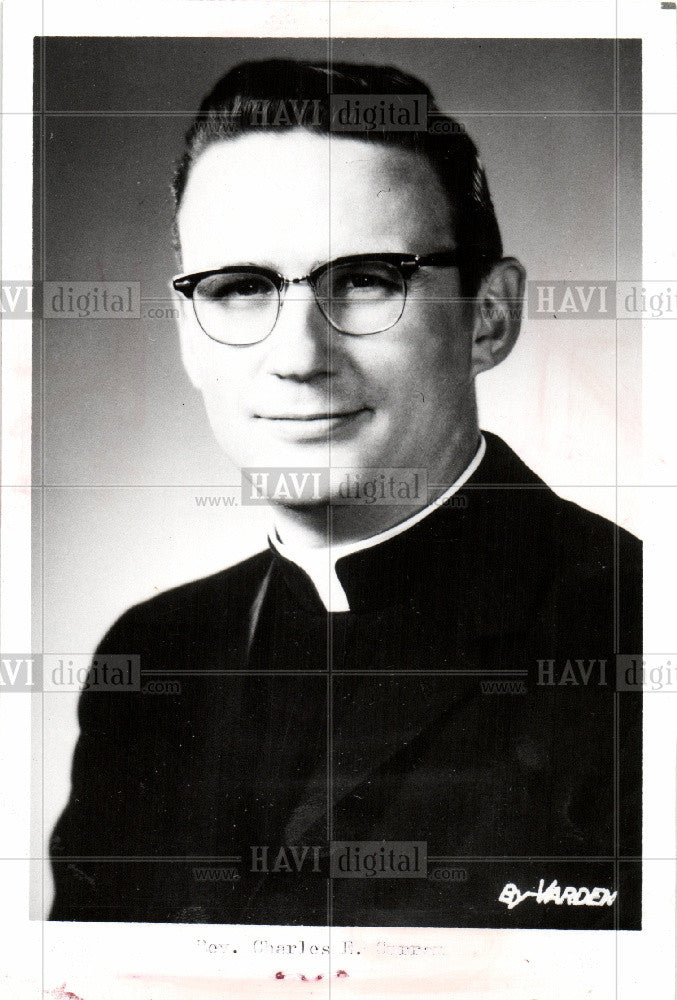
<point x="360" y="294"/>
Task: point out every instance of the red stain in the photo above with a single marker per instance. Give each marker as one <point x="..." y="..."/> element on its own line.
<point x="341" y="974"/>
<point x="63" y="994"/>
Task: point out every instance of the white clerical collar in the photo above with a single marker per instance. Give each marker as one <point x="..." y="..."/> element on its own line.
<point x="320" y="562"/>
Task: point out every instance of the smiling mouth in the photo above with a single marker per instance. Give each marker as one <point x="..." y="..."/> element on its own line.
<point x="314" y="427"/>
<point x="312" y="417"/>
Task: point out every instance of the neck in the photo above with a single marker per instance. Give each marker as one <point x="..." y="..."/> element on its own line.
<point x="339" y="524"/>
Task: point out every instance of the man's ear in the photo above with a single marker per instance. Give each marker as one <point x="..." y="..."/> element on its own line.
<point x="498" y="314"/>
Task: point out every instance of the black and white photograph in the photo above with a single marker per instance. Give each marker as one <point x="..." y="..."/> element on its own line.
<point x="417" y="671"/>
<point x="338" y="596"/>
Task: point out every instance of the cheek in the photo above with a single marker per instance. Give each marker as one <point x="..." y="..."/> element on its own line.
<point x="427" y="355"/>
<point x="234" y="434"/>
<point x="221" y="370"/>
<point x="448" y="355"/>
<point x="223" y="383"/>
<point x="225" y="409"/>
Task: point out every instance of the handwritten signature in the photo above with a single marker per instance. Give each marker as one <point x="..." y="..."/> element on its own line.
<point x="554" y="893"/>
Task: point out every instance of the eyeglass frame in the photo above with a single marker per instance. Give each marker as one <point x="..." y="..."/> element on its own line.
<point x="407" y="264"/>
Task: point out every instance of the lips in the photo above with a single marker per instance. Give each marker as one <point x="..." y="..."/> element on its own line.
<point x="334" y="415"/>
<point x="318" y="426"/>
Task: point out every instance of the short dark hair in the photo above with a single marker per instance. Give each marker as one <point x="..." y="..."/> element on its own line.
<point x="234" y="107"/>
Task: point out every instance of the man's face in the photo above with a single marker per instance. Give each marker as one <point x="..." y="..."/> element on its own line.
<point x="309" y="395"/>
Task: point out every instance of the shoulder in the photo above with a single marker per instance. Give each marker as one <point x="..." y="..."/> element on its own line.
<point x="193" y="605"/>
<point x="567" y="567"/>
<point x="549" y="524"/>
<point x="187" y="631"/>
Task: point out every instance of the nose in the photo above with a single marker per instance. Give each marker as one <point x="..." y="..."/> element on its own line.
<point x="299" y="346"/>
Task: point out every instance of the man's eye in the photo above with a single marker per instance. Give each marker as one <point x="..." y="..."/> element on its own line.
<point x="234" y="287"/>
<point x="365" y="283"/>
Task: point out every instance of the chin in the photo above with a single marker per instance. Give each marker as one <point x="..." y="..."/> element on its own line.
<point x="278" y="454"/>
<point x="303" y="506"/>
<point x="314" y="455"/>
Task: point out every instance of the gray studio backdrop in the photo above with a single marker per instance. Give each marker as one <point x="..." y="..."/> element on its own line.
<point x="121" y="443"/>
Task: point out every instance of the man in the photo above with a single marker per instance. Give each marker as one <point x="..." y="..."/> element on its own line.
<point x="337" y="719"/>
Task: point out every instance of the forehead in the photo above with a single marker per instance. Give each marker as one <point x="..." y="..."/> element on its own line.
<point x="298" y="198"/>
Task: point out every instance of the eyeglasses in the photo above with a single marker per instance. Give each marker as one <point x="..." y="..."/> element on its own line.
<point x="360" y="294"/>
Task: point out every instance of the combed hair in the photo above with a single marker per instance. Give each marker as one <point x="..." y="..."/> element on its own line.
<point x="257" y="96"/>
